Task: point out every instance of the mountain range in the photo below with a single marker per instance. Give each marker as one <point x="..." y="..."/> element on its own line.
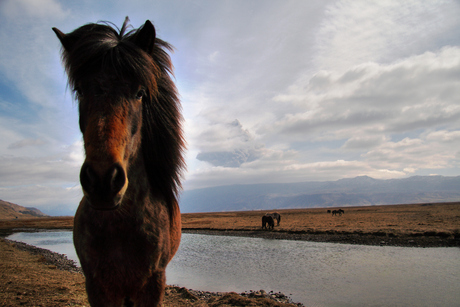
<point x="358" y="191"/>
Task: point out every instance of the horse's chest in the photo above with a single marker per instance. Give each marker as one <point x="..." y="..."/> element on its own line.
<point x="116" y="258"/>
<point x="113" y="244"/>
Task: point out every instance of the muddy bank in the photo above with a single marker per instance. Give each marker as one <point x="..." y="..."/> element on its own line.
<point x="378" y="239"/>
<point x="32" y="276"/>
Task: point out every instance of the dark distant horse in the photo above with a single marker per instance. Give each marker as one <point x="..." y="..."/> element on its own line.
<point x="276" y="217"/>
<point x="128" y="226"/>
<point x="339" y="212"/>
<point x="268" y="220"/>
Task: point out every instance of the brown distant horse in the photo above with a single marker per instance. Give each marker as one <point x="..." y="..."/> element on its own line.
<point x="276" y="217"/>
<point x="268" y="220"/>
<point x="128" y="226"/>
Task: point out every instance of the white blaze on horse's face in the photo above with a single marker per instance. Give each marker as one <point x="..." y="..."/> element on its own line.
<point x="111" y="130"/>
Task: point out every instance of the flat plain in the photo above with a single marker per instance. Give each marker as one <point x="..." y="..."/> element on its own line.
<point x="425" y="225"/>
<point x="441" y="218"/>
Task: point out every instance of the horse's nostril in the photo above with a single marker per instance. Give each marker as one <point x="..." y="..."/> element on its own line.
<point x="88" y="178"/>
<point x="117" y="178"/>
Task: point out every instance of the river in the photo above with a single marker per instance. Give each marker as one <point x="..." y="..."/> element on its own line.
<point x="316" y="274"/>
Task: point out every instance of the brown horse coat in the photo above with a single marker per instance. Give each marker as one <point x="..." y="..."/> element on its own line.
<point x="127" y="226"/>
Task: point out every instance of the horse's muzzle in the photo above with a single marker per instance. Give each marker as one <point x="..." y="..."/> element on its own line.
<point x="103" y="188"/>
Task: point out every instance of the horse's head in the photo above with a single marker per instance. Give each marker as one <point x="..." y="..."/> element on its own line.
<point x="113" y="76"/>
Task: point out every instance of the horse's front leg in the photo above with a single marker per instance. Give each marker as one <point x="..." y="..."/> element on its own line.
<point x="153" y="292"/>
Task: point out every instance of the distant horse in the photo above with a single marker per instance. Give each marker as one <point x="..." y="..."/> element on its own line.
<point x="128" y="225"/>
<point x="328" y="211"/>
<point x="339" y="212"/>
<point x="268" y="220"/>
<point x="276" y="217"/>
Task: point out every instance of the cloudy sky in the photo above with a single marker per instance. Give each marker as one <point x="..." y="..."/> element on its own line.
<point x="272" y="91"/>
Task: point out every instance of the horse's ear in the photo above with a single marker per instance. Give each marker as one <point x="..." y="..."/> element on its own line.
<point x="145" y="37"/>
<point x="66" y="41"/>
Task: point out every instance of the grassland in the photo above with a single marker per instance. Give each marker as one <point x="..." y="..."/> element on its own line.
<point x="424" y="225"/>
<point x="407" y="225"/>
<point x="443" y="219"/>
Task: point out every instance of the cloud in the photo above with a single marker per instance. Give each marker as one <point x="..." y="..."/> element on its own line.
<point x="229" y="159"/>
<point x="228" y="145"/>
<point x="49" y="183"/>
<point x="414" y="93"/>
<point x="62" y="168"/>
<point x="355" y="32"/>
<point x="359" y="142"/>
<point x="32" y="8"/>
<point x="352" y="123"/>
<point x="26" y="143"/>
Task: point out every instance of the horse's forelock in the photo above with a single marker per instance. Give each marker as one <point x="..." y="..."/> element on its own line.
<point x="103" y="53"/>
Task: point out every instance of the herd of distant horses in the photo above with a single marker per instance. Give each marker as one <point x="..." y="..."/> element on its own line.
<point x="268" y="220"/>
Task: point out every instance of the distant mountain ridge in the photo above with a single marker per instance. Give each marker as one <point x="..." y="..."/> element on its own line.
<point x="358" y="191"/>
<point x="12" y="211"/>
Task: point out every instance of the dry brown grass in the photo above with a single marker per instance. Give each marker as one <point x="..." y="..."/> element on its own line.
<point x="440" y="219"/>
<point x="26" y="280"/>
<point x="59" y="222"/>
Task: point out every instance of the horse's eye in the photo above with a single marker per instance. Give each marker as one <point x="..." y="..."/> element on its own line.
<point x="140" y="94"/>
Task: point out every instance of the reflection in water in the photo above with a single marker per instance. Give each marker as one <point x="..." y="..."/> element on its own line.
<point x="316" y="274"/>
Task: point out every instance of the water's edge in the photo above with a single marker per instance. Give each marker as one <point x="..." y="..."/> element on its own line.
<point x="61" y="262"/>
<point x="359" y="274"/>
<point x="375" y="239"/>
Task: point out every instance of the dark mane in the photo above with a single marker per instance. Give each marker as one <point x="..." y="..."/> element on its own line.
<point x="127" y="226"/>
<point x="99" y="49"/>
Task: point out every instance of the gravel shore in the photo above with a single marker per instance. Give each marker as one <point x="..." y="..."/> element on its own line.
<point x="60" y="261"/>
<point x="377" y="239"/>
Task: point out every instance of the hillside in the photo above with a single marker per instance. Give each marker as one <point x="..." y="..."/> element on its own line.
<point x="10" y="211"/>
<point x="359" y="191"/>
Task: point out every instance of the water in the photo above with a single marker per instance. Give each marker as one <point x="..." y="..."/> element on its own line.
<point x="316" y="274"/>
<point x="56" y="241"/>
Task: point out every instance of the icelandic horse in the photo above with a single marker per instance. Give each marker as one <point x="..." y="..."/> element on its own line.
<point x="128" y="225"/>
